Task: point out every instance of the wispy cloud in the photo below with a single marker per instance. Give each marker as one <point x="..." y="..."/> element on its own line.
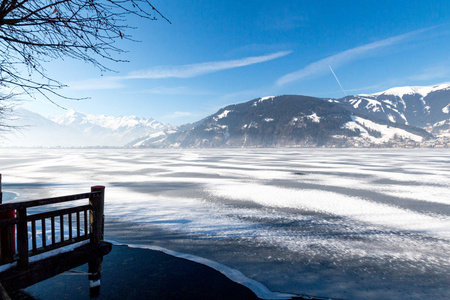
<point x="178" y="90"/>
<point x="193" y="70"/>
<point x="258" y="47"/>
<point x="161" y="72"/>
<point x="322" y="66"/>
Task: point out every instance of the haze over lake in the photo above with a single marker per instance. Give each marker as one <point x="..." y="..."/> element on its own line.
<point x="345" y="223"/>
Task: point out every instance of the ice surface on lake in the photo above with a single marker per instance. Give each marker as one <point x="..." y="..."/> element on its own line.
<point x="364" y="224"/>
<point x="8" y="196"/>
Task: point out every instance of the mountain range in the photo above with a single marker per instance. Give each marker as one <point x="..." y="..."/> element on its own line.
<point x="398" y="117"/>
<point x="75" y="129"/>
<point x="403" y="116"/>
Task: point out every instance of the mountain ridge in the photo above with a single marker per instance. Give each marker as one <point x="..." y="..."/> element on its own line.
<point x="75" y="129"/>
<point x="290" y="120"/>
<point x="397" y="117"/>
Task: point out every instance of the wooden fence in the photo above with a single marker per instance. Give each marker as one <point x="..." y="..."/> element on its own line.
<point x="76" y="224"/>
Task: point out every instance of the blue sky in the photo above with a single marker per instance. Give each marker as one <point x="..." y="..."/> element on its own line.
<point x="217" y="53"/>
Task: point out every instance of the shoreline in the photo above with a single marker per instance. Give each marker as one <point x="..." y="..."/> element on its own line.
<point x="260" y="290"/>
<point x="136" y="273"/>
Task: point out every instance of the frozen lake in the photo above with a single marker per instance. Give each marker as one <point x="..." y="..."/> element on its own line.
<point x="364" y="224"/>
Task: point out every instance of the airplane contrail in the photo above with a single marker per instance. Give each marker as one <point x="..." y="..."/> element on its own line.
<point x="345" y="94"/>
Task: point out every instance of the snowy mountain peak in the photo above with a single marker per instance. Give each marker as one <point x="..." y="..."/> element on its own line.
<point x="412" y="90"/>
<point x="71" y="117"/>
<point x="74" y="118"/>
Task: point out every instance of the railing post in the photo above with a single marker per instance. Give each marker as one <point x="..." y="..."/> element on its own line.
<point x="96" y="217"/>
<point x="7" y="233"/>
<point x="97" y="220"/>
<point x="7" y="237"/>
<point x="22" y="237"/>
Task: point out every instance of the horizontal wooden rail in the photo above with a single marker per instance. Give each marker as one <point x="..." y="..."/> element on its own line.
<point x="7" y="222"/>
<point x="59" y="212"/>
<point x="39" y="202"/>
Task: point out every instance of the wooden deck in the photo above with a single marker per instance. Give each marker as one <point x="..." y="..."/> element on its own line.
<point x="51" y="241"/>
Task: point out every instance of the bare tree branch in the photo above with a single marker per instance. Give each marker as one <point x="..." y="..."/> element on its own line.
<point x="33" y="32"/>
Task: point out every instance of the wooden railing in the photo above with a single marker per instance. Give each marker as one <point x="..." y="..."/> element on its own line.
<point x="76" y="224"/>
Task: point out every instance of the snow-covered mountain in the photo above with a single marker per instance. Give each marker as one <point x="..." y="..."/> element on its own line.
<point x="75" y="129"/>
<point x="77" y="119"/>
<point x="108" y="130"/>
<point x="419" y="106"/>
<point x="33" y="130"/>
<point x="288" y="120"/>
